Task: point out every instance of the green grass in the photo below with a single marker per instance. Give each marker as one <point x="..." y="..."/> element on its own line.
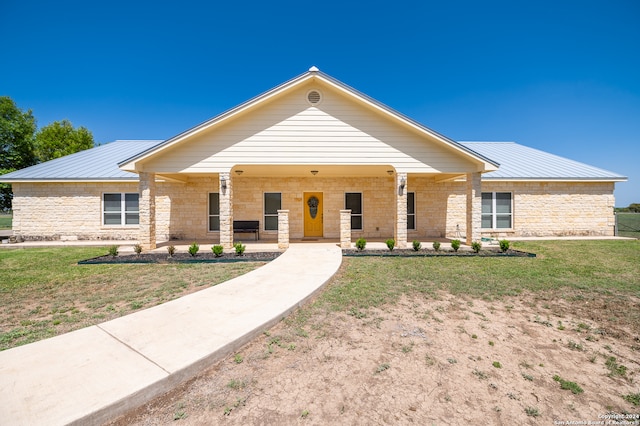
<point x="597" y="271"/>
<point x="44" y="292"/>
<point x="6" y="220"/>
<point x="628" y="224"/>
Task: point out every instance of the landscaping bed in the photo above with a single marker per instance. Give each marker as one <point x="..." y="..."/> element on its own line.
<point x="433" y="253"/>
<point x="181" y="258"/>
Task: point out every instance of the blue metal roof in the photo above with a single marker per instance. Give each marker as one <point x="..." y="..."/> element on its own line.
<point x="521" y="162"/>
<point x="99" y="163"/>
<point x="516" y="162"/>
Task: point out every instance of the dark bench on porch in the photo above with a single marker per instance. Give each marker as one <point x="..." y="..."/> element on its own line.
<point x="247" y="226"/>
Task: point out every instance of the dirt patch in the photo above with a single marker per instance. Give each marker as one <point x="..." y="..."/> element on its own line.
<point x="443" y="360"/>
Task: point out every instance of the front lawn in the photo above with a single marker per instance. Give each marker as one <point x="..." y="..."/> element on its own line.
<point x="44" y="292"/>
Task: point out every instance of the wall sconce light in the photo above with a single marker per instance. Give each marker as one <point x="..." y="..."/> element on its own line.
<point x="403" y="183"/>
<point x="314" y="172"/>
<point x="223" y="183"/>
<point x="239" y="172"/>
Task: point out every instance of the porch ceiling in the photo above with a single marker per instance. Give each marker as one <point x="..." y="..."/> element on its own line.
<point x="306" y="170"/>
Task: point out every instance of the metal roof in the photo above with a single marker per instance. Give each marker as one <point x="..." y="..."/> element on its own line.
<point x="95" y="164"/>
<point x="519" y="162"/>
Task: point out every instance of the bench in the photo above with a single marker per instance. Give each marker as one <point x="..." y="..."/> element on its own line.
<point x="247" y="226"/>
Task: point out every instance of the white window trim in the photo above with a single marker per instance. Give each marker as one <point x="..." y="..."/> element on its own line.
<point x="265" y="214"/>
<point x="123" y="211"/>
<point x="361" y="208"/>
<point x="209" y="216"/>
<point x="494" y="214"/>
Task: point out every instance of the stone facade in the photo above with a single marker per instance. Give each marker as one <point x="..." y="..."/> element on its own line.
<point x="74" y="210"/>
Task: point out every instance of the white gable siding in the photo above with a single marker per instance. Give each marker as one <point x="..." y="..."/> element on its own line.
<point x="290" y="131"/>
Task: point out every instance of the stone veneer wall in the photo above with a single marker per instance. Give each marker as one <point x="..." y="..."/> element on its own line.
<point x="74" y="210"/>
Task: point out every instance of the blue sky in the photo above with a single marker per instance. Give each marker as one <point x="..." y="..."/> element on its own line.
<point x="560" y="76"/>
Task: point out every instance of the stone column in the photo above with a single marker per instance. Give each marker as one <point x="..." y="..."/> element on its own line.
<point x="400" y="234"/>
<point x="225" y="189"/>
<point x="147" y="210"/>
<point x="283" y="229"/>
<point x="345" y="229"/>
<point x="474" y="207"/>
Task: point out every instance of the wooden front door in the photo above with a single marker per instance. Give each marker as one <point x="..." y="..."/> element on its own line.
<point x="313" y="218"/>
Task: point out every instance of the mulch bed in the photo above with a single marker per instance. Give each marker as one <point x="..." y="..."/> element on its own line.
<point x="433" y="253"/>
<point x="182" y="258"/>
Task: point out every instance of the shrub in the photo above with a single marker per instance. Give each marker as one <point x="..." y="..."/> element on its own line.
<point x="455" y="245"/>
<point x="504" y="245"/>
<point x="391" y="243"/>
<point x="476" y="246"/>
<point x="113" y="251"/>
<point x="239" y="248"/>
<point x="193" y="249"/>
<point x="436" y="245"/>
<point x="217" y="250"/>
<point x="417" y="245"/>
<point x="171" y="250"/>
<point x="137" y="248"/>
<point x="361" y="243"/>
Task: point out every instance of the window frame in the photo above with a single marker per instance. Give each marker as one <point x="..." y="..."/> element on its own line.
<point x="209" y="215"/>
<point x="355" y="215"/>
<point x="494" y="214"/>
<point x="266" y="215"/>
<point x="123" y="212"/>
<point x="411" y="214"/>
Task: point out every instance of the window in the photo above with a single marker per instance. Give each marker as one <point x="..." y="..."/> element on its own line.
<point x="411" y="210"/>
<point x="272" y="203"/>
<point x="214" y="211"/>
<point x="496" y="210"/>
<point x="120" y="209"/>
<point x="353" y="202"/>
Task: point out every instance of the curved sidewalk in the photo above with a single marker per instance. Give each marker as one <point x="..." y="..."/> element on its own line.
<point x="93" y="374"/>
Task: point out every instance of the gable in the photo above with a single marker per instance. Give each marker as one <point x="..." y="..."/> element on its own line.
<point x="344" y="128"/>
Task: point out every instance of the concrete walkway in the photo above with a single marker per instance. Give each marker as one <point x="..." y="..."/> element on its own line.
<point x="91" y="375"/>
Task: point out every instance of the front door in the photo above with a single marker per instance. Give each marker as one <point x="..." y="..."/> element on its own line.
<point x="313" y="214"/>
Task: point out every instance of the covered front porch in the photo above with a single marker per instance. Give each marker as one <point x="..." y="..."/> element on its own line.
<point x="308" y="202"/>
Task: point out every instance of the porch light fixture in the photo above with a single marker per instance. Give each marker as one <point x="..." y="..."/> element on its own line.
<point x="403" y="183"/>
<point x="223" y="183"/>
<point x="239" y="172"/>
<point x="390" y="172"/>
<point x="314" y="172"/>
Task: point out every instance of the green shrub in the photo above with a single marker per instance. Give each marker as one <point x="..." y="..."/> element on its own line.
<point x="239" y="248"/>
<point x="361" y="243"/>
<point x="113" y="251"/>
<point x="565" y="384"/>
<point x="476" y="246"/>
<point x="217" y="250"/>
<point x="171" y="250"/>
<point x="504" y="245"/>
<point x="193" y="249"/>
<point x="137" y="249"/>
<point x="436" y="245"/>
<point x="417" y="245"/>
<point x="455" y="245"/>
<point x="391" y="244"/>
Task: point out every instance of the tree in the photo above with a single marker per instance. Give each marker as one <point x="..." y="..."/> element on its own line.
<point x="17" y="129"/>
<point x="59" y="139"/>
<point x="634" y="207"/>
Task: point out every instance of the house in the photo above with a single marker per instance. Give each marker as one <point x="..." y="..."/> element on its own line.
<point x="312" y="158"/>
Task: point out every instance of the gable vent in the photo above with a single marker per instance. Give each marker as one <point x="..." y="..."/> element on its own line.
<point x="314" y="97"/>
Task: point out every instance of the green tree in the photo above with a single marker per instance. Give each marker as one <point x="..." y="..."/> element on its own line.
<point x="634" y="207"/>
<point x="59" y="139"/>
<point x="17" y="129"/>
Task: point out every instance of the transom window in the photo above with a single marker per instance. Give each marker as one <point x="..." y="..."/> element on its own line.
<point x="353" y="202"/>
<point x="120" y="208"/>
<point x="411" y="210"/>
<point x="214" y="211"/>
<point x="497" y="210"/>
<point x="272" y="203"/>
